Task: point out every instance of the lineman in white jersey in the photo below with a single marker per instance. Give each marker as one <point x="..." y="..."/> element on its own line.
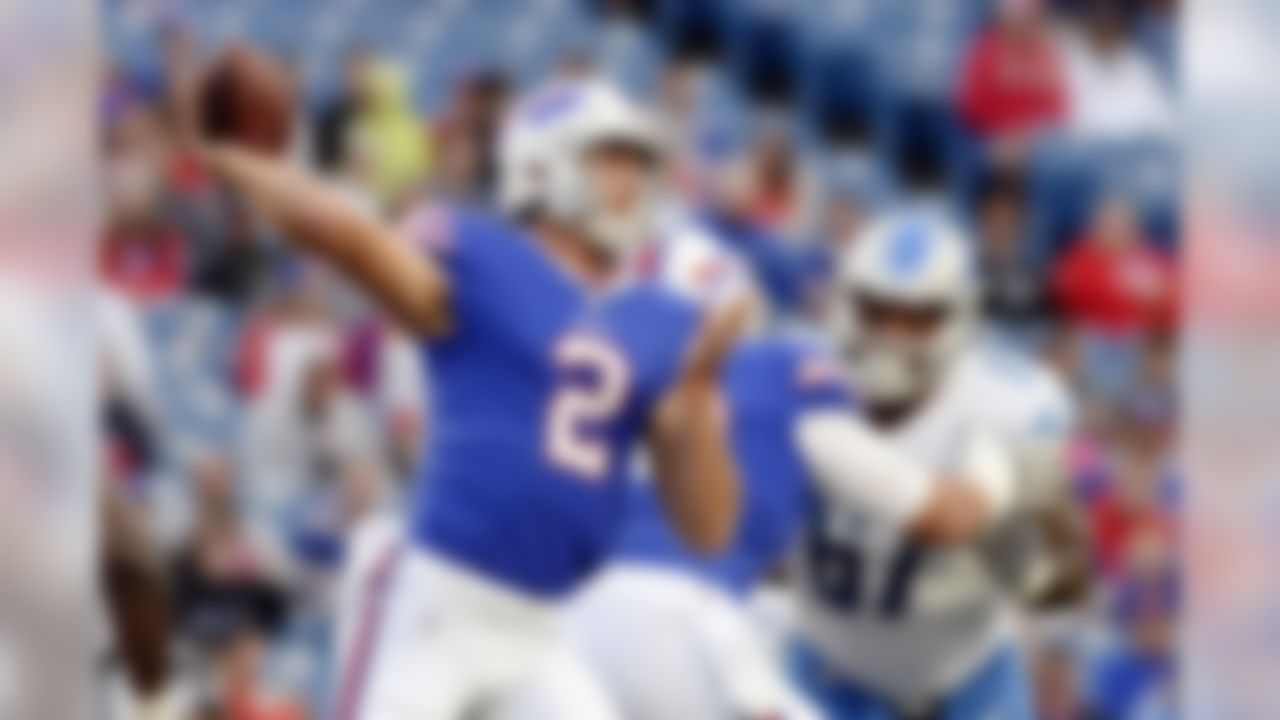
<point x="896" y="622"/>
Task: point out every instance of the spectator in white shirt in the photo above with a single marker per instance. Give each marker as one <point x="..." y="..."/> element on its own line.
<point x="1114" y="91"/>
<point x="306" y="427"/>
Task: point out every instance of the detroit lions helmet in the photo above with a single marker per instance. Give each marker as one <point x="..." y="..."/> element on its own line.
<point x="906" y="305"/>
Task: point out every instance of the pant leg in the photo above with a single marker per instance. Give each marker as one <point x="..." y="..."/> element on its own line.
<point x="750" y="675"/>
<point x="835" y="697"/>
<point x="404" y="655"/>
<point x="1001" y="690"/>
<point x="562" y="688"/>
<point x="630" y="630"/>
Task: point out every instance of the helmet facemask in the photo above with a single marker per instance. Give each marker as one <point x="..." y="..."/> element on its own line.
<point x="585" y="155"/>
<point x="617" y="200"/>
<point x="898" y="351"/>
<point x="906" y="305"/>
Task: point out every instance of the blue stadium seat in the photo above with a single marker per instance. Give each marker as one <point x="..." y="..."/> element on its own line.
<point x="767" y="57"/>
<point x="1063" y="190"/>
<point x="844" y="92"/>
<point x="707" y="26"/>
<point x="1147" y="172"/>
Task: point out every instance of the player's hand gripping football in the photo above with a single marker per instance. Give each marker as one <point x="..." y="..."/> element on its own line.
<point x="238" y="118"/>
<point x="244" y="98"/>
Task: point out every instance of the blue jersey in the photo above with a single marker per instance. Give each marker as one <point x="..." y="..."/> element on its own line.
<point x="533" y="405"/>
<point x="769" y="383"/>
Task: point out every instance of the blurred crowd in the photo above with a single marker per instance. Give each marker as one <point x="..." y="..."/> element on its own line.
<point x="255" y="407"/>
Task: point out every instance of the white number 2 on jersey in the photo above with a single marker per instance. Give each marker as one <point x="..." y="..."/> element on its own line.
<point x="574" y="407"/>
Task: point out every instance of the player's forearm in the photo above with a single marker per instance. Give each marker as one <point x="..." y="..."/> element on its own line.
<point x="696" y="473"/>
<point x="311" y="214"/>
<point x="857" y="467"/>
<point x="955" y="513"/>
<point x="319" y="219"/>
<point x="981" y="493"/>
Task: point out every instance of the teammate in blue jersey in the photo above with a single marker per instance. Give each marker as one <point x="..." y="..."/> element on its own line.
<point x="770" y="383"/>
<point x="667" y="629"/>
<point x="521" y="491"/>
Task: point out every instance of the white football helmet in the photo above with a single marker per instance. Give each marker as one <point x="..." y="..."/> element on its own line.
<point x="909" y="262"/>
<point x="541" y="157"/>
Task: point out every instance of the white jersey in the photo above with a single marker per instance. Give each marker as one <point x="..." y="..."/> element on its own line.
<point x="911" y="623"/>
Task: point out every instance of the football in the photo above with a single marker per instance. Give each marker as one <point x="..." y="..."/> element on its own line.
<point x="247" y="97"/>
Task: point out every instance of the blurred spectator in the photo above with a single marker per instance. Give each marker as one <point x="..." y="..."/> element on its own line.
<point x="228" y="572"/>
<point x="623" y="47"/>
<point x="778" y="187"/>
<point x="143" y="254"/>
<point x="241" y="690"/>
<point x="325" y="522"/>
<point x="1112" y="280"/>
<point x="1015" y="290"/>
<point x="468" y="135"/>
<point x="1059" y="695"/>
<point x="1152" y="397"/>
<point x="781" y="269"/>
<point x="336" y="117"/>
<point x="181" y="67"/>
<point x="1130" y="508"/>
<point x="1158" y="34"/>
<point x="390" y="136"/>
<point x="846" y="214"/>
<point x="232" y="267"/>
<point x="1012" y="83"/>
<point x="1134" y="678"/>
<point x="385" y="366"/>
<point x="1115" y="92"/>
<point x="130" y="399"/>
<point x="300" y="301"/>
<point x="682" y="98"/>
<point x="306" y="427"/>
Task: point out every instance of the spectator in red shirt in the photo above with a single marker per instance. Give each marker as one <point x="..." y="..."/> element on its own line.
<point x="1012" y="83"/>
<point x="143" y="254"/>
<point x="1112" y="281"/>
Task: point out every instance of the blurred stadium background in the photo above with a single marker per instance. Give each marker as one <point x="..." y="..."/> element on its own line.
<point x="255" y="407"/>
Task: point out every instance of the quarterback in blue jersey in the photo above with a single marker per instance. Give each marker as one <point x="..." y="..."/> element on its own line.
<point x="536" y="413"/>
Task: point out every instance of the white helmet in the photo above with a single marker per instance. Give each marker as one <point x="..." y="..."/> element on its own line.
<point x="914" y="260"/>
<point x="541" y="153"/>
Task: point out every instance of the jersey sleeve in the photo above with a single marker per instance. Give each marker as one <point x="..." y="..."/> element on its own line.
<point x="455" y="242"/>
<point x="432" y="229"/>
<point x="697" y="267"/>
<point x="818" y="380"/>
<point x="1044" y="436"/>
<point x="1036" y="417"/>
